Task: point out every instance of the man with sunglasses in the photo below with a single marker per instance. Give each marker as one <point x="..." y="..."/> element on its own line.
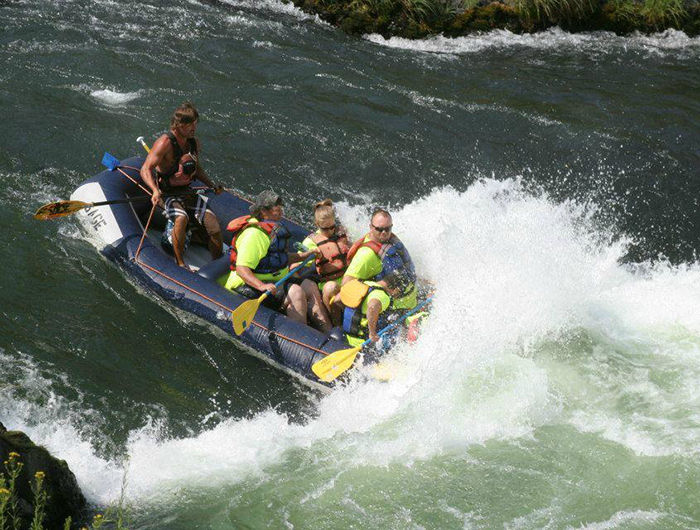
<point x="170" y="167"/>
<point x="380" y="261"/>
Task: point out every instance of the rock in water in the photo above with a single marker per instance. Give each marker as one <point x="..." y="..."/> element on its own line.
<point x="64" y="496"/>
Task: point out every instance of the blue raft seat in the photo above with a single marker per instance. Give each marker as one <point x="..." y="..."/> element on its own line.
<point x="216" y="269"/>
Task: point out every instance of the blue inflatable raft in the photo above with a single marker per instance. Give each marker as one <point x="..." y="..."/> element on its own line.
<point x="118" y="231"/>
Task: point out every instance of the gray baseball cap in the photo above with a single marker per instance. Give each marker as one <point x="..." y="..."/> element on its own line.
<point x="264" y="201"/>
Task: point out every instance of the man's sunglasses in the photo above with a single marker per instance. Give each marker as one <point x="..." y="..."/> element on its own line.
<point x="381" y="229"/>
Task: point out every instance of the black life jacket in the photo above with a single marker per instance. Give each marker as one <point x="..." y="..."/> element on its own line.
<point x="163" y="178"/>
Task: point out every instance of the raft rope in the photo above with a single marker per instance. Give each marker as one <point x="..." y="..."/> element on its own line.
<point x="133" y="179"/>
<point x="143" y="236"/>
<point x="187" y="287"/>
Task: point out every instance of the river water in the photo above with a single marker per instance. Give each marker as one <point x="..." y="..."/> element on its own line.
<point x="548" y="186"/>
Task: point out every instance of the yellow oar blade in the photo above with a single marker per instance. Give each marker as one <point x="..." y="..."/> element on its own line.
<point x="244" y="314"/>
<point x="59" y="209"/>
<point x="336" y="363"/>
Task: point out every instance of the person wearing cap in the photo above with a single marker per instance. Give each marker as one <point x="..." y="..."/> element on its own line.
<point x="260" y="256"/>
<point x="170" y="167"/>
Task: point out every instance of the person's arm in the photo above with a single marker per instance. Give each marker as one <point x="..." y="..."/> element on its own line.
<point x="246" y="274"/>
<point x="295" y="257"/>
<point x="308" y="244"/>
<point x="350" y="273"/>
<point x="374" y="307"/>
<point x="154" y="158"/>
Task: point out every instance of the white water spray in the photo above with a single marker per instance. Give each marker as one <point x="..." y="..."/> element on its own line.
<point x="512" y="271"/>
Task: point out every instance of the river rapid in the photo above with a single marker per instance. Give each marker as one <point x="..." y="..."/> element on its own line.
<point x="546" y="184"/>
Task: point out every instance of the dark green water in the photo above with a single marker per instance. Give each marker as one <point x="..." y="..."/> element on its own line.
<point x="548" y="185"/>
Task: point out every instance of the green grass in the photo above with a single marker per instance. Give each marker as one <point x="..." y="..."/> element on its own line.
<point x="420" y="18"/>
<point x="419" y="11"/>
<point x="427" y="11"/>
<point x="555" y="11"/>
<point x="654" y="14"/>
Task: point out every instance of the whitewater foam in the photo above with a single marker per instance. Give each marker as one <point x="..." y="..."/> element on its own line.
<point x="527" y="271"/>
<point x="553" y="39"/>
<point x="32" y="405"/>
<point x="276" y="6"/>
<point x="114" y="98"/>
<point x="458" y="389"/>
<point x="627" y="517"/>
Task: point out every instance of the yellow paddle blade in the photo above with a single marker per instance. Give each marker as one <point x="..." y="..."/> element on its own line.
<point x="336" y="363"/>
<point x="244" y="314"/>
<point x="59" y="209"/>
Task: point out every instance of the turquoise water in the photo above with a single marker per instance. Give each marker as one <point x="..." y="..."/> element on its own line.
<point x="546" y="184"/>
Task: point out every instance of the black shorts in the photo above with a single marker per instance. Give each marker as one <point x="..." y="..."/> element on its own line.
<point x="273" y="301"/>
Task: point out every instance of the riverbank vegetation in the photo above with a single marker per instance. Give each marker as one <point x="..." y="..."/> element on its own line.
<point x="452" y="18"/>
<point x="18" y="510"/>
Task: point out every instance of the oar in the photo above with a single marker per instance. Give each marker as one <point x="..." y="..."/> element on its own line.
<point x="330" y="367"/>
<point x="143" y="143"/>
<point x="62" y="208"/>
<point x="244" y="314"/>
<point x="110" y="161"/>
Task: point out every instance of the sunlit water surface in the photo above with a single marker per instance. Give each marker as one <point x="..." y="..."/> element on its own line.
<point x="547" y="185"/>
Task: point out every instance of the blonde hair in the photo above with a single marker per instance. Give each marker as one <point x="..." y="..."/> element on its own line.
<point x="324" y="210"/>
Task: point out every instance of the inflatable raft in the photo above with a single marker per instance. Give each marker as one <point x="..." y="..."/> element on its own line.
<point x="118" y="232"/>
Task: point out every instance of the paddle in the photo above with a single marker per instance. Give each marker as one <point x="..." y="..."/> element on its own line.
<point x="244" y="314"/>
<point x="330" y="367"/>
<point x="143" y="143"/>
<point x="109" y="161"/>
<point x="62" y="208"/>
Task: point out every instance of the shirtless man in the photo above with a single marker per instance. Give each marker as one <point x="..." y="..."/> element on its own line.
<point x="170" y="167"/>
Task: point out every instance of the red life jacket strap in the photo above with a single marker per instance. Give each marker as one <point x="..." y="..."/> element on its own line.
<point x="376" y="247"/>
